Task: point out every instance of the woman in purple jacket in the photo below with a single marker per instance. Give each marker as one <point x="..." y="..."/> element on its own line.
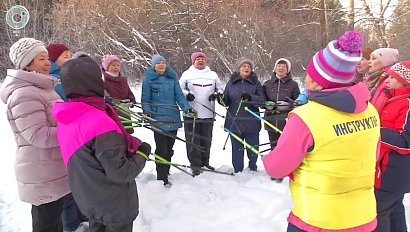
<point x="116" y="85"/>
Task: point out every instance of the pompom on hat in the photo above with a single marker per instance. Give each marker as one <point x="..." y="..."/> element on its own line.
<point x="55" y="50"/>
<point x="195" y="56"/>
<point x="335" y="65"/>
<point x="106" y="60"/>
<point x="401" y="71"/>
<point x="23" y="52"/>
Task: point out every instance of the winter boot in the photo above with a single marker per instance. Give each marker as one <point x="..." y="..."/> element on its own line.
<point x="196" y="171"/>
<point x="209" y="167"/>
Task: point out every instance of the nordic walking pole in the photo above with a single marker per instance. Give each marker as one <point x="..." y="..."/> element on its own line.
<point x="247" y="145"/>
<point x="206" y="107"/>
<point x="233" y="121"/>
<point x="263" y="120"/>
<point x="184" y="166"/>
<point x="153" y="128"/>
<point x="166" y="162"/>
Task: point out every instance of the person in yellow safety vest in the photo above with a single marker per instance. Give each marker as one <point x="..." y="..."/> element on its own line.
<point x="332" y="163"/>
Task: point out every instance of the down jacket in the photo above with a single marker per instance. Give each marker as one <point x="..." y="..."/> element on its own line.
<point x="40" y="171"/>
<point x="239" y="120"/>
<point x="160" y="95"/>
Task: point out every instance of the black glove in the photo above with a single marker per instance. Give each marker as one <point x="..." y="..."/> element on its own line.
<point x="190" y="97"/>
<point x="145" y="148"/>
<point x="246" y="97"/>
<point x="213" y="97"/>
<point x="192" y="113"/>
<point x="221" y="99"/>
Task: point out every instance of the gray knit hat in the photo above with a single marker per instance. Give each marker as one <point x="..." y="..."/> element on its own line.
<point x="24" y="51"/>
<point x="241" y="61"/>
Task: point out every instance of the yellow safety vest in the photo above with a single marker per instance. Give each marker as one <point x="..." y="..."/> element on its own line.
<point x="333" y="186"/>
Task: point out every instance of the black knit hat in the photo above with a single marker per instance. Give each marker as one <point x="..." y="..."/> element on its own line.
<point x="82" y="77"/>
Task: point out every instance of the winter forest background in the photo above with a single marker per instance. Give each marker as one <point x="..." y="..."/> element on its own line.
<point x="264" y="30"/>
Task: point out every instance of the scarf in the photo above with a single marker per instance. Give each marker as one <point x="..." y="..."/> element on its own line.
<point x="373" y="80"/>
<point x="99" y="103"/>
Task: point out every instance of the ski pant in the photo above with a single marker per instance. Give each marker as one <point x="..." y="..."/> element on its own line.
<point x="164" y="145"/>
<point x="47" y="217"/>
<point x="273" y="138"/>
<point x="71" y="215"/>
<point x="292" y="228"/>
<point x="390" y="212"/>
<point x="238" y="151"/>
<point x="98" y="227"/>
<point x="199" y="134"/>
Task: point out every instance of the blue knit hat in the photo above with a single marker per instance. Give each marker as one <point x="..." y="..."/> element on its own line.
<point x="156" y="58"/>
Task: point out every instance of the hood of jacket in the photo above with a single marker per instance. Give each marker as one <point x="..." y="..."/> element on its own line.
<point x="54" y="70"/>
<point x="194" y="70"/>
<point x="351" y="99"/>
<point x="152" y="75"/>
<point x="65" y="112"/>
<point x="18" y="78"/>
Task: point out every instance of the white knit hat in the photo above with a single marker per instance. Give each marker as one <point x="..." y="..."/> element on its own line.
<point x="24" y="51"/>
<point x="288" y="64"/>
<point x="388" y="56"/>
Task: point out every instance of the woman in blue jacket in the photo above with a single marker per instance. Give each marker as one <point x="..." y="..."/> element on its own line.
<point x="243" y="86"/>
<point x="160" y="94"/>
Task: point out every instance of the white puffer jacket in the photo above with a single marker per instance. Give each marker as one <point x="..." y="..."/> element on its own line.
<point x="40" y="171"/>
<point x="201" y="83"/>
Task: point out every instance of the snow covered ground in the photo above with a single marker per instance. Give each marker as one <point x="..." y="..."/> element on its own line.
<point x="248" y="201"/>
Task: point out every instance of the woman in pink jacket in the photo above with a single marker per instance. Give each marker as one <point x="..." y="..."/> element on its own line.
<point x="29" y="94"/>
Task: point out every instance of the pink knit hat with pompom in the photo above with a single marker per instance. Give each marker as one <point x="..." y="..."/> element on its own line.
<point x="335" y="65"/>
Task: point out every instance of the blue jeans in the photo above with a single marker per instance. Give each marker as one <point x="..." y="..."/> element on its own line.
<point x="71" y="215"/>
<point x="238" y="151"/>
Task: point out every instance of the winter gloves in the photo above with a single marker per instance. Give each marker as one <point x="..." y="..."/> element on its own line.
<point x="213" y="96"/>
<point x="221" y="99"/>
<point x="145" y="148"/>
<point x="190" y="97"/>
<point x="127" y="103"/>
<point x="246" y="97"/>
<point x="192" y="113"/>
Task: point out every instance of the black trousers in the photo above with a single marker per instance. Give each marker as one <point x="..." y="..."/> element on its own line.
<point x="98" y="227"/>
<point x="292" y="228"/>
<point x="47" y="217"/>
<point x="164" y="145"/>
<point x="200" y="134"/>
<point x="390" y="212"/>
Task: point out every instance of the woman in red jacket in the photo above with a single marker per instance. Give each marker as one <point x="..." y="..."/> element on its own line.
<point x="393" y="167"/>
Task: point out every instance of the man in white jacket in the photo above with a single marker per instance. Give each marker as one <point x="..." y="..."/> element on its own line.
<point x="201" y="86"/>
